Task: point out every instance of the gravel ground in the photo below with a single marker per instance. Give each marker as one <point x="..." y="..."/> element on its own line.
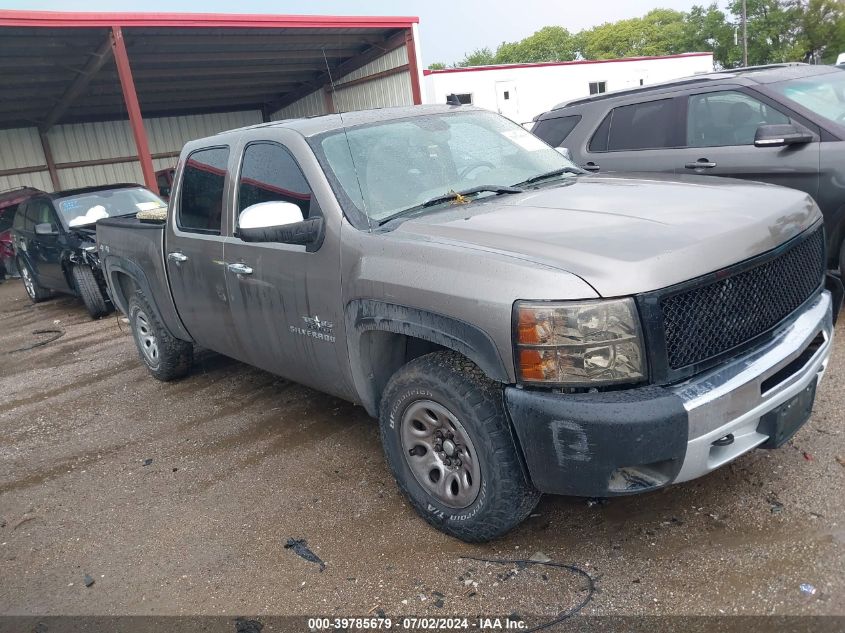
<point x="178" y="499"/>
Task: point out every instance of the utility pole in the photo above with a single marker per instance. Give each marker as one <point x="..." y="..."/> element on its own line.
<point x="745" y="32"/>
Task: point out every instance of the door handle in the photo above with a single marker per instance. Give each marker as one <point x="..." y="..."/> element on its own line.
<point x="591" y="166"/>
<point x="701" y="163"/>
<point x="177" y="257"/>
<point x="240" y="269"/>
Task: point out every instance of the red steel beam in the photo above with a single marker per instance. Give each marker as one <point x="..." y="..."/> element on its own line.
<point x="413" y="67"/>
<point x="199" y="20"/>
<point x="124" y="71"/>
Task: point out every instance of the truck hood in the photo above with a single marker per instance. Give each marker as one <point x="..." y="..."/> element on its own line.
<point x="624" y="234"/>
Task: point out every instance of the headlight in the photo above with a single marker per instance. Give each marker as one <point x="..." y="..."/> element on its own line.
<point x="578" y="343"/>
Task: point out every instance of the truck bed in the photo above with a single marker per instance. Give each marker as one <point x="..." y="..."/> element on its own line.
<point x="131" y="249"/>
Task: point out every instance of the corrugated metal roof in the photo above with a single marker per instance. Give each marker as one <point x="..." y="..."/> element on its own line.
<point x="181" y="63"/>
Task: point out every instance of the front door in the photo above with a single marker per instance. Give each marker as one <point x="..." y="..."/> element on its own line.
<point x="507" y="101"/>
<point x="194" y="252"/>
<point x="45" y="251"/>
<point x="721" y="125"/>
<point x="286" y="299"/>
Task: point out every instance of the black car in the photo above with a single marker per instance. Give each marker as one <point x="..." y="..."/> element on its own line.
<point x="55" y="239"/>
<point x="782" y="124"/>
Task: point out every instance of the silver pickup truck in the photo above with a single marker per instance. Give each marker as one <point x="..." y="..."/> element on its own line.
<point x="517" y="326"/>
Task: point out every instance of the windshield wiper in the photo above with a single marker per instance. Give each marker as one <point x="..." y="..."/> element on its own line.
<point x="551" y="174"/>
<point x="452" y="195"/>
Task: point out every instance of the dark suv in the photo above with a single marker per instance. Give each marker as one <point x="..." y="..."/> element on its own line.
<point x="55" y="239"/>
<point x="781" y="124"/>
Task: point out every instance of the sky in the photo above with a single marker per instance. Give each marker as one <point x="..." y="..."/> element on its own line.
<point x="448" y="28"/>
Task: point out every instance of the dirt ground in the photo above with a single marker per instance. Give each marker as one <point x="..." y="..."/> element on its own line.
<point x="178" y="499"/>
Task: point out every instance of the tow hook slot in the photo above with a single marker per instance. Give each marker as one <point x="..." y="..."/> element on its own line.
<point x="727" y="440"/>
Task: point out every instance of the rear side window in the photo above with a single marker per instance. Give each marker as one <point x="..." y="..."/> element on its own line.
<point x="555" y="131"/>
<point x="269" y="173"/>
<point x="648" y="125"/>
<point x="201" y="193"/>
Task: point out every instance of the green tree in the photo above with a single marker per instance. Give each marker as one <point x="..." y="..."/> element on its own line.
<point x="549" y="44"/>
<point x="772" y="30"/>
<point x="478" y="57"/>
<point x="437" y="66"/>
<point x="707" y="29"/>
<point x="659" y="32"/>
<point x="821" y="30"/>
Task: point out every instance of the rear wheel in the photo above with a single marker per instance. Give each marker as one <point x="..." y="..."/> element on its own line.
<point x="166" y="357"/>
<point x="30" y="282"/>
<point x="449" y="444"/>
<point x="89" y="292"/>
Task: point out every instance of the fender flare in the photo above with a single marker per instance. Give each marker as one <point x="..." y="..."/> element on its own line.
<point x="370" y="315"/>
<point x="114" y="266"/>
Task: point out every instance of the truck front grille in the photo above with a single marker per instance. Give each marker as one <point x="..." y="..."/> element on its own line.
<point x="742" y="303"/>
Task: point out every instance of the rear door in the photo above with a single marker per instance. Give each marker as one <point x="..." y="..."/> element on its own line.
<point x="194" y="251"/>
<point x="286" y="298"/>
<point x="635" y="137"/>
<point x="720" y="129"/>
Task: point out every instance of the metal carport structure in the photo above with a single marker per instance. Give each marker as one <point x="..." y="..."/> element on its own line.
<point x="77" y="86"/>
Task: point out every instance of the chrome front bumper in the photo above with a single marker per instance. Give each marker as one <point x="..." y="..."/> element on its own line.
<point x="732" y="398"/>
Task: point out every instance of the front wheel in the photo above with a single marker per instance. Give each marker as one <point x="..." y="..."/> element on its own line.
<point x="30" y="283"/>
<point x="89" y="291"/>
<point x="447" y="440"/>
<point x="167" y="358"/>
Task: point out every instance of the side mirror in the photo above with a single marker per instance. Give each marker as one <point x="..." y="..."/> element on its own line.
<point x="781" y="136"/>
<point x="278" y="222"/>
<point x="564" y="151"/>
<point x="45" y="229"/>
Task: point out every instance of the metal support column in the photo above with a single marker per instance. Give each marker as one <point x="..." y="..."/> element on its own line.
<point x="130" y="97"/>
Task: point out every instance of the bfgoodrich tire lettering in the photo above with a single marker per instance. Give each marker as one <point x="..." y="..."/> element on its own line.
<point x="505" y="496"/>
<point x="167" y="358"/>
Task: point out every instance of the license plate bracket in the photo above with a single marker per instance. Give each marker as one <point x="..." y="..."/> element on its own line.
<point x="782" y="423"/>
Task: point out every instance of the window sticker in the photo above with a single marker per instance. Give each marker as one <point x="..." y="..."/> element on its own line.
<point x="525" y="140"/>
<point x="148" y="206"/>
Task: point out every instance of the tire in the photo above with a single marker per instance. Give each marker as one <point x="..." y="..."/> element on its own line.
<point x="477" y="497"/>
<point x="167" y="358"/>
<point x="89" y="291"/>
<point x="36" y="293"/>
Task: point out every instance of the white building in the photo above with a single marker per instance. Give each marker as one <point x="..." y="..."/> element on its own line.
<point x="522" y="91"/>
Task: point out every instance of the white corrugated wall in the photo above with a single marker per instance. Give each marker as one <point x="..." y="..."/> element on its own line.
<point x="20" y="148"/>
<point x="393" y="90"/>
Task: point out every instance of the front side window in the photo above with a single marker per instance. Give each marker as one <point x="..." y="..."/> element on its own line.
<point x="823" y="95"/>
<point x="40" y="212"/>
<point x="201" y="192"/>
<point x="85" y="209"/>
<point x="727" y="117"/>
<point x="269" y="173"/>
<point x="637" y="126"/>
<point x="392" y="166"/>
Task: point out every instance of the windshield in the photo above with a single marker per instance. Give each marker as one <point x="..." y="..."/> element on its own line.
<point x="403" y="163"/>
<point x="86" y="208"/>
<point x="822" y="94"/>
